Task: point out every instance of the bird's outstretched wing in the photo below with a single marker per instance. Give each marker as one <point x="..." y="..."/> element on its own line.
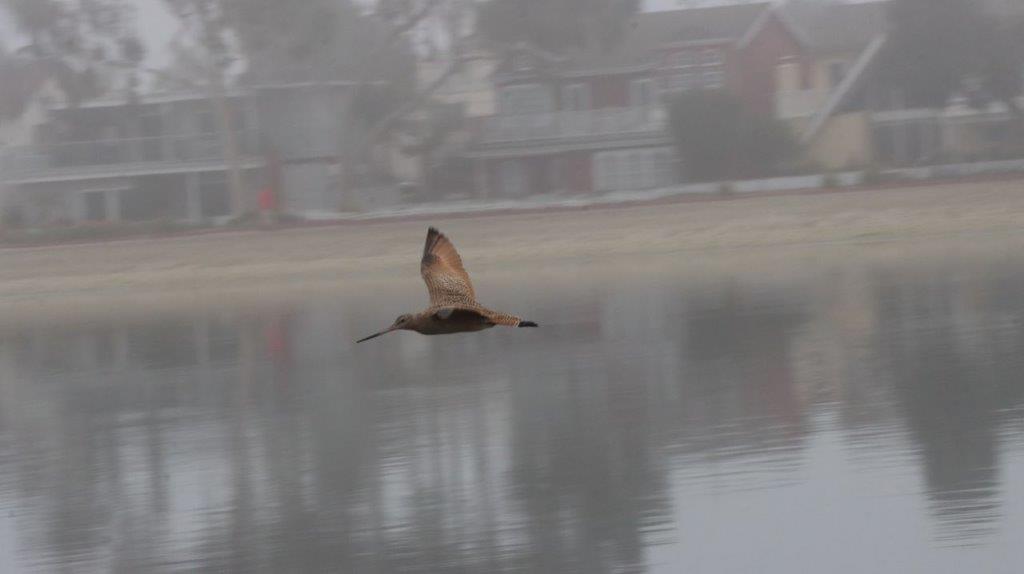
<point x="442" y="270"/>
<point x="479" y="313"/>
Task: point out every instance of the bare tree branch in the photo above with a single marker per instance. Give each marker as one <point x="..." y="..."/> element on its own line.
<point x="421" y="96"/>
<point x="177" y="79"/>
<point x="414" y="19"/>
<point x="383" y="126"/>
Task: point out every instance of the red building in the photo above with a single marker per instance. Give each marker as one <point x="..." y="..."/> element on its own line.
<point x="594" y="120"/>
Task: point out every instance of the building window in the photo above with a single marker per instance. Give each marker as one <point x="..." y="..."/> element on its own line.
<point x="207" y="123"/>
<point x="520" y="62"/>
<point x="713" y="80"/>
<point x="635" y="164"/>
<point x="787" y="76"/>
<point x="525" y="99"/>
<point x="641" y="93"/>
<point x="576" y="97"/>
<point x="557" y="174"/>
<point x="108" y="149"/>
<point x="708" y="76"/>
<point x="241" y="118"/>
<point x="214" y="199"/>
<point x="95" y="206"/>
<point x="711" y="57"/>
<point x="613" y="171"/>
<point x="649" y="171"/>
<point x="675" y="83"/>
<point x="627" y="170"/>
<point x="664" y="166"/>
<point x="150" y="129"/>
<point x="513" y="180"/>
<point x="600" y="167"/>
<point x="682" y="59"/>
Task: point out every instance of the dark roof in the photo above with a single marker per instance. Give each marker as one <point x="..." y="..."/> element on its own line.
<point x="650" y="31"/>
<point x="832" y="27"/>
<point x="727" y="22"/>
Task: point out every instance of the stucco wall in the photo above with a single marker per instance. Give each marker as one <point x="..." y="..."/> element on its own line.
<point x="843" y="142"/>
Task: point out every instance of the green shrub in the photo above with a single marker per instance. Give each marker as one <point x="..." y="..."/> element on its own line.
<point x="871" y="175"/>
<point x="718" y="138"/>
<point x="829" y="180"/>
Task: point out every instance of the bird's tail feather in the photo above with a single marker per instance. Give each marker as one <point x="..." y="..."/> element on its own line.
<point x="508" y="320"/>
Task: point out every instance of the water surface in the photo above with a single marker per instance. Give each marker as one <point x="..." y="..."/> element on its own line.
<point x="844" y="419"/>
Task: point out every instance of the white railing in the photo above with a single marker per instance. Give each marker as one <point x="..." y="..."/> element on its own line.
<point x="22" y="161"/>
<point x="576" y="124"/>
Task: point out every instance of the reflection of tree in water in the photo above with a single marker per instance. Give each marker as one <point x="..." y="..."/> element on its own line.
<point x="90" y="441"/>
<point x="71" y="486"/>
<point x="586" y="469"/>
<point x="576" y="492"/>
<point x="554" y="458"/>
<point x="590" y="436"/>
<point x="319" y="469"/>
<point x="955" y="398"/>
<point x="738" y="387"/>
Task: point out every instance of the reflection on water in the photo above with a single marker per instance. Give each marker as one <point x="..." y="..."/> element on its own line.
<point x="868" y="419"/>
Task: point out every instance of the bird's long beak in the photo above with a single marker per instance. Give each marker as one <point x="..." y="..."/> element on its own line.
<point x="375" y="335"/>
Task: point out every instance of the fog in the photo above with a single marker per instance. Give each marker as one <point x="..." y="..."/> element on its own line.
<point x="511" y="285"/>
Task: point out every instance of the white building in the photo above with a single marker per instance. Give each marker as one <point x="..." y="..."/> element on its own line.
<point x="162" y="157"/>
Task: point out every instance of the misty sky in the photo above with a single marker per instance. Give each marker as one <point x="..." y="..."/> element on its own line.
<point x="158" y="26"/>
<point x="155" y="22"/>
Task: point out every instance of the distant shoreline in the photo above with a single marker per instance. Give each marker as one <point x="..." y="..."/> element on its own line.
<point x="576" y="204"/>
<point x="750" y="232"/>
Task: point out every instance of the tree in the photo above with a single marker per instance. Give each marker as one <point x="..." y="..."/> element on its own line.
<point x="447" y="31"/>
<point x="938" y="47"/>
<point x="431" y="136"/>
<point x="1005" y="62"/>
<point x="208" y="36"/>
<point x="301" y="40"/>
<point x="933" y="46"/>
<point x="321" y="40"/>
<point x="17" y="81"/>
<point x="186" y="69"/>
<point x="324" y="40"/>
<point x="718" y="138"/>
<point x="556" y="25"/>
<point x="80" y="43"/>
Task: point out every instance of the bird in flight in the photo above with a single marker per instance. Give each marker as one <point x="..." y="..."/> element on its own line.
<point x="453" y="306"/>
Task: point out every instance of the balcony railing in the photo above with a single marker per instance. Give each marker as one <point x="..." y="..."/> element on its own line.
<point x="72" y="157"/>
<point x="608" y="122"/>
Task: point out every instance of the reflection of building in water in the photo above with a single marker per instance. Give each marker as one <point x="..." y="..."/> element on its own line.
<point x="738" y="386"/>
<point x="88" y="349"/>
<point x="835" y="360"/>
<point x="130" y="446"/>
<point x="91" y="407"/>
<point x="929" y="350"/>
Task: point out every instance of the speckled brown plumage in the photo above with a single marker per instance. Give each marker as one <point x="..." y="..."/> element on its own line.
<point x="442" y="271"/>
<point x="453" y="305"/>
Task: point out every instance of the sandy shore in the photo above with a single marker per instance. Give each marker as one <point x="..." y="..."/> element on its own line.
<point x="751" y="232"/>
